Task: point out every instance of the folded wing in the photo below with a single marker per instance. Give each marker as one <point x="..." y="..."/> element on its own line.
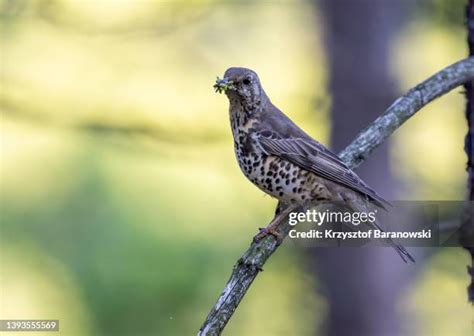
<point x="310" y="155"/>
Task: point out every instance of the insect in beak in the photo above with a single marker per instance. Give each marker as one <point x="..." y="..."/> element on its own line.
<point x="222" y="85"/>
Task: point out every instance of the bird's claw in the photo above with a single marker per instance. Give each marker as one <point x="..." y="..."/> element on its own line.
<point x="268" y="231"/>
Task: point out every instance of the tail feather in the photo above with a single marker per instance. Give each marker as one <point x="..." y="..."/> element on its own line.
<point x="401" y="250"/>
<point x="362" y="206"/>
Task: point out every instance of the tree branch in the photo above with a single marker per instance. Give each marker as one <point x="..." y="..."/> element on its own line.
<point x="252" y="261"/>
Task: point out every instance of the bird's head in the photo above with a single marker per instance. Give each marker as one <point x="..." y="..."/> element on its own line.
<point x="241" y="85"/>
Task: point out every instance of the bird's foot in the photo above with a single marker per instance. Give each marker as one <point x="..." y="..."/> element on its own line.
<point x="268" y="231"/>
<point x="271" y="229"/>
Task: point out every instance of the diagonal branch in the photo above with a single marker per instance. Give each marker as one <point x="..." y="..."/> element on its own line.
<point x="252" y="261"/>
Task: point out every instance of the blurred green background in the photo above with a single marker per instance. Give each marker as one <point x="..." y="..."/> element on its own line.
<point x="122" y="206"/>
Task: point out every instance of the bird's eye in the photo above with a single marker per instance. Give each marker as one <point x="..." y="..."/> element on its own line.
<point x="246" y="81"/>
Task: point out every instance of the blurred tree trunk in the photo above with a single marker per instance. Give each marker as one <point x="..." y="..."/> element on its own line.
<point x="469" y="145"/>
<point x="362" y="284"/>
<point x="467" y="230"/>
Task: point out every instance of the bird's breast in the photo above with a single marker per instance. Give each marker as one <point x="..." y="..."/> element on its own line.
<point x="248" y="155"/>
<point x="275" y="176"/>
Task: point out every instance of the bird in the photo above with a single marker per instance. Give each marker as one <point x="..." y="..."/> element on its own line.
<point x="285" y="162"/>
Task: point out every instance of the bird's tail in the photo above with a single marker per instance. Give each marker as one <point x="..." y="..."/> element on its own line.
<point x="363" y="206"/>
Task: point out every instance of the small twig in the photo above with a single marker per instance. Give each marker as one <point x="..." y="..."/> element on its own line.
<point x="248" y="266"/>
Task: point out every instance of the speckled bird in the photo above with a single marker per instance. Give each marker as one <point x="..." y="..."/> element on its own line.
<point x="281" y="159"/>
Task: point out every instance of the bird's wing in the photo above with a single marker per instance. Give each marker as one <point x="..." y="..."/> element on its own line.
<point x="313" y="156"/>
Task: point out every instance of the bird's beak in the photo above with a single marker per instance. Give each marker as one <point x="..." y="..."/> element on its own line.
<point x="222" y="85"/>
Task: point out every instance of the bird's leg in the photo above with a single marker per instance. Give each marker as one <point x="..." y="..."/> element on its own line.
<point x="272" y="228"/>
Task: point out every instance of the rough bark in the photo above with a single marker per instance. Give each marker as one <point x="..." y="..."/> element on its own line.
<point x="250" y="264"/>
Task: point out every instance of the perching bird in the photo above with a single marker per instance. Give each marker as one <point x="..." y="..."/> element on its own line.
<point x="281" y="159"/>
